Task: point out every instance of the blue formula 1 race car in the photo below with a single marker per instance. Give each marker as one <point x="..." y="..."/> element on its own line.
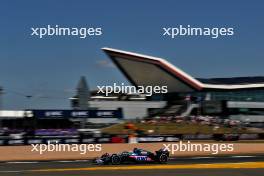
<point x="136" y="156"/>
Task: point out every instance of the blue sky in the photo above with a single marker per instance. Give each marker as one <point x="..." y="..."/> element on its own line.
<point x="49" y="68"/>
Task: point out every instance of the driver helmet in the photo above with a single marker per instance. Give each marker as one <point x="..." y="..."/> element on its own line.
<point x="136" y="150"/>
<point x="106" y="155"/>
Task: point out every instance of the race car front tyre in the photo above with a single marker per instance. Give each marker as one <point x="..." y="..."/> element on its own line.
<point x="115" y="160"/>
<point x="163" y="159"/>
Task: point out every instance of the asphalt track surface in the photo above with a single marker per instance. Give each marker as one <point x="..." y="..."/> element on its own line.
<point x="189" y="166"/>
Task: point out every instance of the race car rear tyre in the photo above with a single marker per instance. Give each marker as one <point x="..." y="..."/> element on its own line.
<point x="115" y="160"/>
<point x="163" y="159"/>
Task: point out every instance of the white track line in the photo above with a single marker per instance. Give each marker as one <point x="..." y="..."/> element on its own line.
<point x="203" y="157"/>
<point x="209" y="157"/>
<point x="69" y="161"/>
<point x="22" y="162"/>
<point x="10" y="171"/>
<point x="243" y="156"/>
<point x="81" y="160"/>
<point x="34" y="162"/>
<point x="72" y="161"/>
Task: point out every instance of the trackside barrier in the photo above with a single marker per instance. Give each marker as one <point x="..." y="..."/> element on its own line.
<point x="28" y="140"/>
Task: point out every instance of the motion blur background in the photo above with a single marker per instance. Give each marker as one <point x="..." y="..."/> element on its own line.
<point x="39" y="98"/>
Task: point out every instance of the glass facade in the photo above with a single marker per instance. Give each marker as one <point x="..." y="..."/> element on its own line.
<point x="241" y="95"/>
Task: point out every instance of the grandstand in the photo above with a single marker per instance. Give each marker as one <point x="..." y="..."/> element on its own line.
<point x="239" y="98"/>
